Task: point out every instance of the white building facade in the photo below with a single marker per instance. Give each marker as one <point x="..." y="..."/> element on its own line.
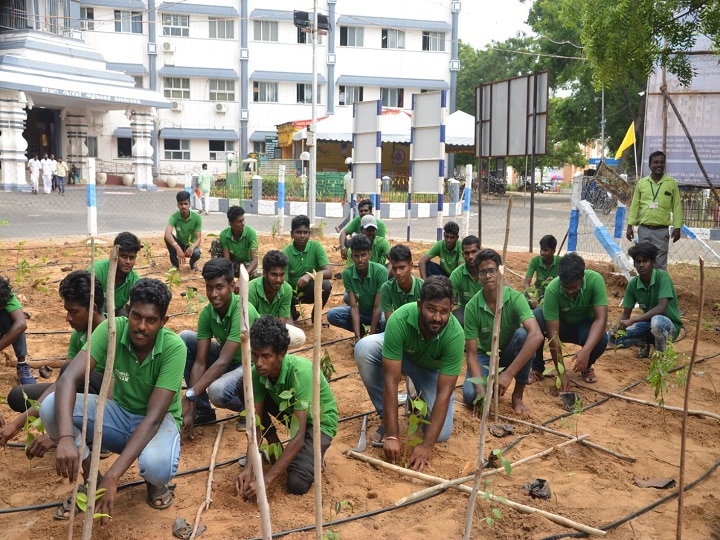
<point x="157" y="88"/>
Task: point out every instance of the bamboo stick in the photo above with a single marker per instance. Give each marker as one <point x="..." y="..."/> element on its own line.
<point x="317" y="450"/>
<point x="555" y="518"/>
<point x="208" y="491"/>
<point x="53" y="363"/>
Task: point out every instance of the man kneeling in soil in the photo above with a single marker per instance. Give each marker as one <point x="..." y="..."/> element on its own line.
<point x="142" y="421"/>
<point x="274" y="373"/>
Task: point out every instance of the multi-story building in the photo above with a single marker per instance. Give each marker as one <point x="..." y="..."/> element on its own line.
<point x="156" y="88"/>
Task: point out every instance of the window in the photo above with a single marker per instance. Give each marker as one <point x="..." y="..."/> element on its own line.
<point x="306" y="37"/>
<point x="222" y="90"/>
<point x="92" y="146"/>
<point x="87" y="18"/>
<point x="265" y="92"/>
<point x="176" y="88"/>
<point x="259" y="147"/>
<point x="128" y="21"/>
<point x="350" y="94"/>
<point x="176" y="25"/>
<point x="351" y="36"/>
<point x="433" y="41"/>
<point x="139" y="81"/>
<point x="266" y="30"/>
<point x="177" y="149"/>
<point x="304" y="93"/>
<point x="392" y="97"/>
<point x="124" y="147"/>
<point x="221" y="28"/>
<point x="219" y="149"/>
<point x="393" y="39"/>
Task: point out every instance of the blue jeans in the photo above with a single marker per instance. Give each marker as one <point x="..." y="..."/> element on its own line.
<point x="368" y="357"/>
<point x="158" y="461"/>
<point x="434" y="269"/>
<point x="507" y="355"/>
<point x="660" y="329"/>
<point x="222" y="392"/>
<point x="340" y="317"/>
<point x="195" y="257"/>
<point x="20" y="344"/>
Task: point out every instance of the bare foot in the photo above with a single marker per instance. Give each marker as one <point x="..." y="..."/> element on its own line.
<point x="519" y="407"/>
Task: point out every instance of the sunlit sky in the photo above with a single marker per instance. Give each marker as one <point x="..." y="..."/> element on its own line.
<point x="482" y="21"/>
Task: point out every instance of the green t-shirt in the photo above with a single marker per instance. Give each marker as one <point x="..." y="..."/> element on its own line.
<point x="313" y="257"/>
<point x="557" y="306"/>
<point x="537" y="267"/>
<point x="211" y="325"/>
<point x="13" y="304"/>
<point x="122" y="291"/>
<point x="186" y="230"/>
<point x="365" y="290"/>
<point x="392" y="296"/>
<point x="296" y="373"/>
<point x="464" y="284"/>
<point x="653" y="203"/>
<point x="77" y="342"/>
<point x="204" y="181"/>
<point x="647" y="297"/>
<point x="444" y="352"/>
<point x="134" y="381"/>
<point x="242" y="248"/>
<point x="378" y="252"/>
<point x="354" y="227"/>
<point x="479" y="318"/>
<point x="449" y="260"/>
<point x="279" y="307"/>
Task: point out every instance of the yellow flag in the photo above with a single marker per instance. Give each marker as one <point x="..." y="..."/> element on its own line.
<point x="627" y="142"/>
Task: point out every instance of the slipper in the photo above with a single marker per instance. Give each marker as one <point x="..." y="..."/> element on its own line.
<point x="159" y="494"/>
<point x="378" y="440"/>
<point x="589" y="376"/>
<point x="62" y="512"/>
<point x="535" y="377"/>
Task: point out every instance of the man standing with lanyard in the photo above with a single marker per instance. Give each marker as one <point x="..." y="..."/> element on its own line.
<point x="655" y="206"/>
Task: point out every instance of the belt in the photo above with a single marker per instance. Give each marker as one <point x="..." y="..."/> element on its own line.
<point x="655" y="227"/>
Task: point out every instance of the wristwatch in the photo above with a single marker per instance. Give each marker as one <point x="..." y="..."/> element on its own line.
<point x="190" y="395"/>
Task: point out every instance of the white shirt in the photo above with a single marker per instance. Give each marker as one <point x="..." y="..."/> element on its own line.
<point x="47" y="166"/>
<point x="34" y="166"/>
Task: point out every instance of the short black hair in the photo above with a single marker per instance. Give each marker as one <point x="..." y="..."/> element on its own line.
<point x="400" y="252"/>
<point x="360" y="242"/>
<point x="75" y="287"/>
<point x="366" y="202"/>
<point x="452" y="228"/>
<point x="204" y="166"/>
<point x="571" y="268"/>
<point x="469" y="240"/>
<point x="235" y="212"/>
<point x="127" y="242"/>
<point x="548" y="241"/>
<point x="6" y="292"/>
<point x="655" y="154"/>
<point x="487" y="255"/>
<point x="151" y="291"/>
<point x="274" y="259"/>
<point x="269" y="331"/>
<point x="216" y="268"/>
<point x="643" y="249"/>
<point x="182" y="196"/>
<point x="299" y="221"/>
<point x="436" y="288"/>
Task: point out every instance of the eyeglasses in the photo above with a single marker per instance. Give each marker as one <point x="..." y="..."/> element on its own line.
<point x="488" y="272"/>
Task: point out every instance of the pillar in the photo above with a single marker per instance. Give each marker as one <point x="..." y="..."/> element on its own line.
<point x="12" y="143"/>
<point x="76" y="127"/>
<point x="142" y="122"/>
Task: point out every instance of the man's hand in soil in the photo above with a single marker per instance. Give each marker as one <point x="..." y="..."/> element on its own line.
<point x="9" y="431"/>
<point x="581" y="359"/>
<point x="188" y="423"/>
<point x="39" y="446"/>
<point x="245" y="485"/>
<point x="180" y="254"/>
<point x="67" y="458"/>
<point x="420" y="457"/>
<point x="106" y="503"/>
<point x="504" y="382"/>
<point x="392" y="450"/>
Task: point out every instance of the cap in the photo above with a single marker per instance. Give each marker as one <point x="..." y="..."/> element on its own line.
<point x="368" y="221"/>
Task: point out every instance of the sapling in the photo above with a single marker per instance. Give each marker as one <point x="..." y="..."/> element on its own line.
<point x="495" y="513"/>
<point x="32" y="423"/>
<point x="339" y="506"/>
<point x="417" y="417"/>
<point x="174" y="278"/>
<point x="662" y="364"/>
<point x="81" y="501"/>
<point x="326" y="366"/>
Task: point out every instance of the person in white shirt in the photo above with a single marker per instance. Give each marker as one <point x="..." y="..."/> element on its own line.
<point x="47" y="168"/>
<point x="54" y="172"/>
<point x="34" y="166"/>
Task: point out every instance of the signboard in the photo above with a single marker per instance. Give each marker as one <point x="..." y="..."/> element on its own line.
<point x="271" y="146"/>
<point x="610" y="162"/>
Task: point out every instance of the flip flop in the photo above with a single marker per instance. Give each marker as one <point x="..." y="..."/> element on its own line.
<point x="378" y="439"/>
<point x="535" y="377"/>
<point x="162" y="494"/>
<point x="589" y="376"/>
<point x="66" y="506"/>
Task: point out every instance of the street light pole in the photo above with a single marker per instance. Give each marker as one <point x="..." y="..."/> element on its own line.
<point x="313" y="122"/>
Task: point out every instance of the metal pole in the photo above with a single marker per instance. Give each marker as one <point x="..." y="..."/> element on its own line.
<point x="313" y="123"/>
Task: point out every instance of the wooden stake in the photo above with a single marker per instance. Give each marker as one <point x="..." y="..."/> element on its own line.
<point x="52" y="362"/>
<point x="317" y="449"/>
<point x="683" y="433"/>
<point x="208" y="491"/>
<point x="560" y="520"/>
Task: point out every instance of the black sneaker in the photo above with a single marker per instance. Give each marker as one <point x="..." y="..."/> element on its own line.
<point x="204" y="417"/>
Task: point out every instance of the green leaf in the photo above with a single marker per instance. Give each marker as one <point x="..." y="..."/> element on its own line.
<point x="497" y="513"/>
<point x="287" y="394"/>
<point x="414" y="442"/>
<point x="507" y="466"/>
<point x="98" y="515"/>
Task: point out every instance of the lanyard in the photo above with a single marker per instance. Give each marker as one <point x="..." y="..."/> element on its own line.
<point x="655" y="193"/>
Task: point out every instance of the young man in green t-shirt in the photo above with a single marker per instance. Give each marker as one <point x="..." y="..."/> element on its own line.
<point x="365" y="208"/>
<point x="12" y="330"/>
<point x="362" y="281"/>
<point x="464" y="278"/>
<point x="214" y="356"/>
<point x="237" y="243"/>
<point x="125" y="275"/>
<point x="653" y="291"/>
<point x="142" y="419"/>
<point x="185" y="243"/>
<point x="544" y="267"/>
<point x="519" y="335"/>
<point x="447" y="249"/>
<point x="425" y="342"/>
<point x="574" y="310"/>
<point x="304" y="257"/>
<point x="275" y="372"/>
<point x="272" y="295"/>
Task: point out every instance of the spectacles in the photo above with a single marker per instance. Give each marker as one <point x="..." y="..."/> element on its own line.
<point x="488" y="272"/>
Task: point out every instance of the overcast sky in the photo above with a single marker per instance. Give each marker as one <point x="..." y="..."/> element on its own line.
<point x="482" y="21"/>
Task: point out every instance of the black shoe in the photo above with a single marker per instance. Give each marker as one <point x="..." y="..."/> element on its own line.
<point x="204" y="417"/>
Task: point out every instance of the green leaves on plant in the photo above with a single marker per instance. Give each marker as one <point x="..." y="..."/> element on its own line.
<point x="326" y="366"/>
<point x="661" y="365"/>
<point x="81" y="501"/>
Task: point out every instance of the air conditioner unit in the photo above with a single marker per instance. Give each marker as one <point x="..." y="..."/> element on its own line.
<point x="177" y="106"/>
<point x="221" y="107"/>
<point x="168" y="47"/>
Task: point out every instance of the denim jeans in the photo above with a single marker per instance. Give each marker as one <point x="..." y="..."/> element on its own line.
<point x="340" y="317"/>
<point x="368" y="357"/>
<point x="158" y="461"/>
<point x="195" y="257"/>
<point x="20" y="344"/>
<point x="434" y="269"/>
<point x="222" y="392"/>
<point x="660" y="329"/>
<point x="507" y="355"/>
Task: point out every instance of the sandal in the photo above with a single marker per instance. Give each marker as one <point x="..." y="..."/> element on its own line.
<point x="535" y="377"/>
<point x="160" y="497"/>
<point x="62" y="512"/>
<point x="589" y="376"/>
<point x="378" y="439"/>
